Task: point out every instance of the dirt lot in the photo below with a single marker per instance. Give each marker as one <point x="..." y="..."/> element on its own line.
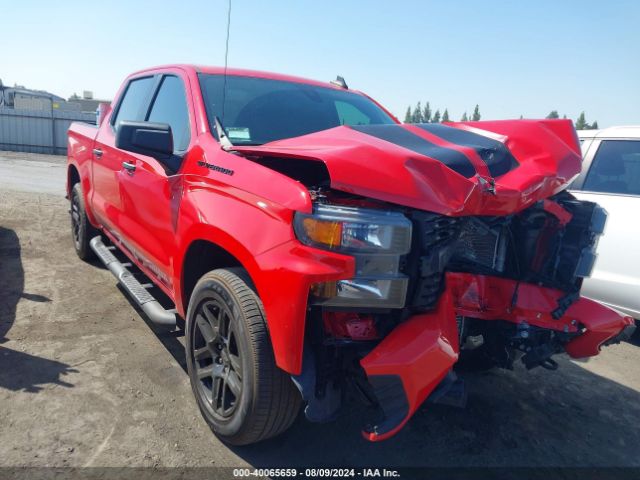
<point x="85" y="381"/>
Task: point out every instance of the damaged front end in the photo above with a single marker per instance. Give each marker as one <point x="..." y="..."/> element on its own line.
<point x="467" y="252"/>
<point x="430" y="290"/>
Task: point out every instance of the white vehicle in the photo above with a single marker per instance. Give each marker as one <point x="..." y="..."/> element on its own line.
<point x="611" y="177"/>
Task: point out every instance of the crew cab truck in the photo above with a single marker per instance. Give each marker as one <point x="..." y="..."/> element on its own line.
<point x="313" y="245"/>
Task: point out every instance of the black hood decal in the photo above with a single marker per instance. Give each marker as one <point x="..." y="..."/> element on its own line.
<point x="495" y="154"/>
<point x="398" y="135"/>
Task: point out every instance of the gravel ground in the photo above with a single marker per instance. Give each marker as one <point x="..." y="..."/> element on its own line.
<point x="85" y="381"/>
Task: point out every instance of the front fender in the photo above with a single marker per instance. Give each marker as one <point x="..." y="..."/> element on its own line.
<point x="258" y="233"/>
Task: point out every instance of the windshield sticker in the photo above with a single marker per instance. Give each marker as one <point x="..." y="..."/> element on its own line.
<point x="239" y="133"/>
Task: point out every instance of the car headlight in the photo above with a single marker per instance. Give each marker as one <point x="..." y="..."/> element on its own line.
<point x="376" y="238"/>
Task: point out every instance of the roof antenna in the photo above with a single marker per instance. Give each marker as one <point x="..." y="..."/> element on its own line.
<point x="223" y="137"/>
<point x="338" y="82"/>
<point x="226" y="56"/>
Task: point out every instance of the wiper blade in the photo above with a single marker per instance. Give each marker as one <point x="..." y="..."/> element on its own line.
<point x="223" y="138"/>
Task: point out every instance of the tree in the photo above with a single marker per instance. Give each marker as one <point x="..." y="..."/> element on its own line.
<point x="521" y="117"/>
<point x="464" y="117"/>
<point x="417" y="114"/>
<point x="564" y="117"/>
<point x="476" y="114"/>
<point x="553" y="114"/>
<point x="594" y="125"/>
<point x="445" y="115"/>
<point x="408" y="117"/>
<point x="426" y="116"/>
<point x="581" y="123"/>
<point x="436" y="117"/>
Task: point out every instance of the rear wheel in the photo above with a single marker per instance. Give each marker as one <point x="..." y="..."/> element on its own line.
<point x="242" y="394"/>
<point x="81" y="229"/>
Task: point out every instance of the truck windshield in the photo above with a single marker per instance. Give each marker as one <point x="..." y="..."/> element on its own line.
<point x="260" y="110"/>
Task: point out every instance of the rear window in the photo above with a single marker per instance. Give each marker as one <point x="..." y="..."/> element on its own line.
<point x="615" y="168"/>
<point x="261" y="110"/>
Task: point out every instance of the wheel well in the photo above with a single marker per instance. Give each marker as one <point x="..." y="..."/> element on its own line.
<point x="73" y="177"/>
<point x="202" y="257"/>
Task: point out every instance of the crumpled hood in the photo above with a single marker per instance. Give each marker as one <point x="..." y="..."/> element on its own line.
<point x="466" y="168"/>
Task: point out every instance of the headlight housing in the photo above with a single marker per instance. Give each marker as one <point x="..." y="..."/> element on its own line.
<point x="376" y="238"/>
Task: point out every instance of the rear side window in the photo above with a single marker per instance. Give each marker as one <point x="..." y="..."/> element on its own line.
<point x="134" y="101"/>
<point x="170" y="106"/>
<point x="615" y="168"/>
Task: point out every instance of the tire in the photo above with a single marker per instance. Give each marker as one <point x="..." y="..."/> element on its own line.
<point x="81" y="229"/>
<point x="244" y="397"/>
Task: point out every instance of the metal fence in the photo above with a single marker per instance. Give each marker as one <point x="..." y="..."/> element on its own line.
<point x="38" y="131"/>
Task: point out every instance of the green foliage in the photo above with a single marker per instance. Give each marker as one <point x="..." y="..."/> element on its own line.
<point x="408" y="117"/>
<point x="417" y="114"/>
<point x="581" y="123"/>
<point x="420" y="115"/>
<point x="476" y="114"/>
<point x="426" y="115"/>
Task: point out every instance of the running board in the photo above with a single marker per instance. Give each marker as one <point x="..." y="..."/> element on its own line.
<point x="149" y="305"/>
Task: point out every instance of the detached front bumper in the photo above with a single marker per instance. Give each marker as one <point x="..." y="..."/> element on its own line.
<point x="408" y="364"/>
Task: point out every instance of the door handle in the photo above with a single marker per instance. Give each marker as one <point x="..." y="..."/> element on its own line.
<point x="130" y="167"/>
<point x="97" y="152"/>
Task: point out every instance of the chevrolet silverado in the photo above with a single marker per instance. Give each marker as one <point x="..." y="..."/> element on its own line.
<point x="315" y="247"/>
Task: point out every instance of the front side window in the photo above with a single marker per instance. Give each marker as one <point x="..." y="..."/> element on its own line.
<point x="615" y="168"/>
<point x="260" y="110"/>
<point x="170" y="106"/>
<point x="134" y="101"/>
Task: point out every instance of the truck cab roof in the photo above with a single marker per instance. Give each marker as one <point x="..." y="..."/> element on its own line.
<point x="216" y="70"/>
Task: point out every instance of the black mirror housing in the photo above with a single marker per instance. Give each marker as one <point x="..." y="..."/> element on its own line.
<point x="146" y="138"/>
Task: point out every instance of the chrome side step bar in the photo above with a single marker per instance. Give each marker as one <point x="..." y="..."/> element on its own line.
<point x="149" y="305"/>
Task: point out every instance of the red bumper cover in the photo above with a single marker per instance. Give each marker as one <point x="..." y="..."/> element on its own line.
<point x="419" y="353"/>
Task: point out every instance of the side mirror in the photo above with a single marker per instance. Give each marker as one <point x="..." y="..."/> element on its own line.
<point x="151" y="139"/>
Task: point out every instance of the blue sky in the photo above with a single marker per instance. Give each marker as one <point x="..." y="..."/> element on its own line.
<point x="510" y="57"/>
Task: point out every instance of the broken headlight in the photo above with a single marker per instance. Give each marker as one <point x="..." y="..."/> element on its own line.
<point x="375" y="238"/>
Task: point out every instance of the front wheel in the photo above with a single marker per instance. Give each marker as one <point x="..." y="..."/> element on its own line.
<point x="242" y="394"/>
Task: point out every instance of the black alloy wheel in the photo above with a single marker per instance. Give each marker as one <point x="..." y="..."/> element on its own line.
<point x="216" y="357"/>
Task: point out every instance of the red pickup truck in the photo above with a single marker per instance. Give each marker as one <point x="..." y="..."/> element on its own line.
<point x="314" y="246"/>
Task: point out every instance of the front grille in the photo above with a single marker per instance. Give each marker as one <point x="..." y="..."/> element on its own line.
<point x="454" y="243"/>
<point x="532" y="246"/>
<point x="435" y="236"/>
<point x="481" y="244"/>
